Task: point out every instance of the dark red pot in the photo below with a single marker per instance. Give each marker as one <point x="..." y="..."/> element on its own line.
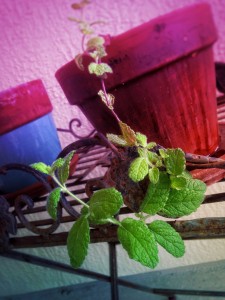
<point x="163" y="81"/>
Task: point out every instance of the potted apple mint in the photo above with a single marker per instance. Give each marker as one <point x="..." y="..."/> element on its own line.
<point x="144" y="176"/>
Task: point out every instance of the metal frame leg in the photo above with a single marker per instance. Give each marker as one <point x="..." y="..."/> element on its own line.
<point x="113" y="271"/>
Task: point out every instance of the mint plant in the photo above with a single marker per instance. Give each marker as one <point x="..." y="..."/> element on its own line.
<point x="171" y="190"/>
<point x="171" y="193"/>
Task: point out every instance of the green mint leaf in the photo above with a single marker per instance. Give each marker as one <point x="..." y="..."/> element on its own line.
<point x="152" y="157"/>
<point x="57" y="164"/>
<point x="141" y="139"/>
<point x="184" y="202"/>
<point x="41" y="167"/>
<point x="175" y="162"/>
<point x="98" y="53"/>
<point x="156" y="195"/>
<point x="138" y="169"/>
<point x="139" y="242"/>
<point x="159" y="163"/>
<point x="153" y="175"/>
<point x="167" y="237"/>
<point x="163" y="154"/>
<point x="104" y="204"/>
<point x="128" y="134"/>
<point x="84" y="211"/>
<point x="63" y="171"/>
<point x="116" y="139"/>
<point x="99" y="69"/>
<point x="141" y="152"/>
<point x="77" y="241"/>
<point x="95" y="42"/>
<point x="186" y="175"/>
<point x="178" y="182"/>
<point x="151" y="145"/>
<point x="52" y="202"/>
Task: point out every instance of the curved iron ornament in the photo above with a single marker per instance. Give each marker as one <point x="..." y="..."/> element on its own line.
<point x="78" y="125"/>
<point x="23" y="201"/>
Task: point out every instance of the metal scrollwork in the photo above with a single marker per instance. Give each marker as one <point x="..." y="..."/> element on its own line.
<point x="23" y="204"/>
<point x="23" y="201"/>
<point x="77" y="124"/>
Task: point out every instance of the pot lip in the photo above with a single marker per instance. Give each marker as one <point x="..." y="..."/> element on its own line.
<point x="174" y="35"/>
<point x="22" y="104"/>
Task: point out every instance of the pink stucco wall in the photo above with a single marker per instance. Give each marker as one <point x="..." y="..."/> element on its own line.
<point x="37" y="38"/>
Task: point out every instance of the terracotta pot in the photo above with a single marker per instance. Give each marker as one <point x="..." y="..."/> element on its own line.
<point x="163" y="81"/>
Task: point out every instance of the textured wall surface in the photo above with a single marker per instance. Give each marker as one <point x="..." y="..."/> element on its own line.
<point x="36" y="39"/>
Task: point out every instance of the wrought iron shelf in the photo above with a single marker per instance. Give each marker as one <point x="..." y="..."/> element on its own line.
<point x="24" y="212"/>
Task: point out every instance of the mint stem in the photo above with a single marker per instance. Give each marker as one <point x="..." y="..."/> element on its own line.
<point x="114" y="221"/>
<point x="107" y="100"/>
<point x="65" y="190"/>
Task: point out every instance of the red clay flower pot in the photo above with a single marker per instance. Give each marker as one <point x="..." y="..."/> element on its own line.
<point x="163" y="80"/>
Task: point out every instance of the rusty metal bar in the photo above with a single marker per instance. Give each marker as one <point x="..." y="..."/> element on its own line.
<point x="206" y="228"/>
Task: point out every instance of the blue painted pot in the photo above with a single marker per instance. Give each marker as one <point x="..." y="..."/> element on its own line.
<point x="27" y="132"/>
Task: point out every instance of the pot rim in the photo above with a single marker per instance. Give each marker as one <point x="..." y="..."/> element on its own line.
<point x="22" y="104"/>
<point x="177" y="34"/>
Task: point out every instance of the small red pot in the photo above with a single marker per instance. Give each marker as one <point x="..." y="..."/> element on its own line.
<point x="163" y="80"/>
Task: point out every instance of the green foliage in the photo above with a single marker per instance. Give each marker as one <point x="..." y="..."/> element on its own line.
<point x="185" y="201"/>
<point x="178" y="182"/>
<point x="167" y="237"/>
<point x="153" y="175"/>
<point x="163" y="154"/>
<point x="156" y="196"/>
<point x="78" y="241"/>
<point x="141" y="139"/>
<point x="175" y="162"/>
<point x="42" y="167"/>
<point x="139" y="242"/>
<point x="138" y="169"/>
<point x="52" y="202"/>
<point x="151" y="145"/>
<point x="171" y="193"/>
<point x="95" y="43"/>
<point x="57" y="164"/>
<point x="63" y="170"/>
<point x="99" y="69"/>
<point x="116" y="139"/>
<point x="104" y="204"/>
